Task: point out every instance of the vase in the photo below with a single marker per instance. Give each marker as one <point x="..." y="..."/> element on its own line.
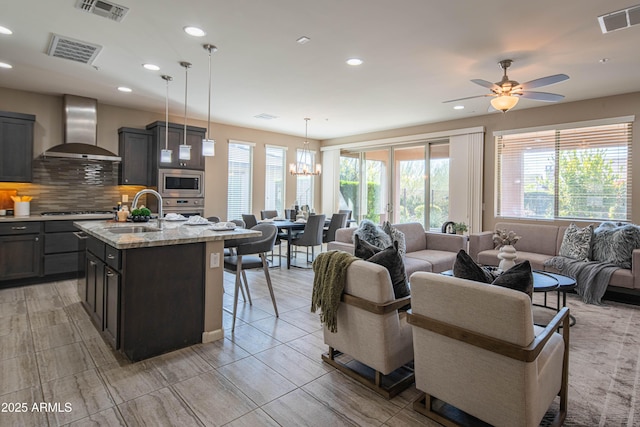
<point x="507" y="257"/>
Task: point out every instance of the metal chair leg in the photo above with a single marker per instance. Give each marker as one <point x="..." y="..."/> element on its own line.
<point x="235" y="301"/>
<point x="246" y="286"/>
<point x="265" y="267"/>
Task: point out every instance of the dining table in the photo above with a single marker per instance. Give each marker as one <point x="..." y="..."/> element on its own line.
<point x="290" y="227"/>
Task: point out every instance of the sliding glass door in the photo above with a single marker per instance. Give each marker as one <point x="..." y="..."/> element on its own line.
<point x="401" y="184"/>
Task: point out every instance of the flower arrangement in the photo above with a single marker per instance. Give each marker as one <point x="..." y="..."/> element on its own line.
<point x="503" y="238"/>
<point x="460" y="227"/>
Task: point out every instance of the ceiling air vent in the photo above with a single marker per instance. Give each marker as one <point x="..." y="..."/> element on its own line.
<point x="620" y="19"/>
<point x="265" y="116"/>
<point x="75" y="50"/>
<point x="103" y="8"/>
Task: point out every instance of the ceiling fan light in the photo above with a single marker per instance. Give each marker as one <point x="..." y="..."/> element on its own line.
<point x="208" y="147"/>
<point x="504" y="102"/>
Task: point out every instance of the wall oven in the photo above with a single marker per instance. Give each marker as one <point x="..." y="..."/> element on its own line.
<point x="184" y="206"/>
<point x="181" y="183"/>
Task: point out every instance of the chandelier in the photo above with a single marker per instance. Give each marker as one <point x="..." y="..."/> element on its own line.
<point x="305" y="165"/>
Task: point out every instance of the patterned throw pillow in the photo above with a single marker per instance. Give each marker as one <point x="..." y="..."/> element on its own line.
<point x="615" y="243"/>
<point x="576" y="242"/>
<point x="392" y="261"/>
<point x="396" y="236"/>
<point x="372" y="233"/>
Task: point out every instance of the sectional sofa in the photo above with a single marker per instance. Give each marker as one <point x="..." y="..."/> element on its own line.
<point x="426" y="251"/>
<point x="539" y="243"/>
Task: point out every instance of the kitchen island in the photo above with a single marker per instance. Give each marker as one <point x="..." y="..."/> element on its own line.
<point x="151" y="291"/>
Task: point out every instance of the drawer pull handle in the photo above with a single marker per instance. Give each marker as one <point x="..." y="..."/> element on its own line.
<point x="110" y="273"/>
<point x="36" y="239"/>
<point x="110" y="256"/>
<point x="81" y="235"/>
<point x="24" y="227"/>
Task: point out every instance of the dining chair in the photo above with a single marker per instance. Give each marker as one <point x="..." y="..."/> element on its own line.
<point x="346" y="211"/>
<point x="250" y="220"/>
<point x="311" y="236"/>
<point x="338" y="220"/>
<point x="249" y="255"/>
<point x="268" y="214"/>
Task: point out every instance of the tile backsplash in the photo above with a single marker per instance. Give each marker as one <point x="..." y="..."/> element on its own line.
<point x="68" y="184"/>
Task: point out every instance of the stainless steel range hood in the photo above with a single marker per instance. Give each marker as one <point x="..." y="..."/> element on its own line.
<point x="80" y="132"/>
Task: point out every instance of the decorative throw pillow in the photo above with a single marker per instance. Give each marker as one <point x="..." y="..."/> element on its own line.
<point x="576" y="242"/>
<point x="615" y="244"/>
<point x="396" y="236"/>
<point x="372" y="233"/>
<point x="518" y="277"/>
<point x="392" y="261"/>
<point x="465" y="268"/>
<point x="362" y="249"/>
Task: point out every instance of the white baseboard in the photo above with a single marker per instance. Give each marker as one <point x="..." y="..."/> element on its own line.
<point x="210" y="336"/>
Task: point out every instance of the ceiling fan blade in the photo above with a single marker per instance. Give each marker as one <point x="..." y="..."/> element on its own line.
<point x="540" y="96"/>
<point x="468" y="97"/>
<point x="486" y="84"/>
<point x="543" y="81"/>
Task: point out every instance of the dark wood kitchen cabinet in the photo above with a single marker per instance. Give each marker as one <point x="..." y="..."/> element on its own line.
<point x="16" y="146"/>
<point x="101" y="294"/>
<point x="176" y="138"/>
<point x="20" y="250"/>
<point x="63" y="249"/>
<point x="137" y="152"/>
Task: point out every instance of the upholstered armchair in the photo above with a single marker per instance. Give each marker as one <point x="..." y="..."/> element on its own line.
<point x="373" y="338"/>
<point x="476" y="349"/>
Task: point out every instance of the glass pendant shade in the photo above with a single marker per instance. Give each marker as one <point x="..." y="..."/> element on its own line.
<point x="185" y="152"/>
<point x="208" y="147"/>
<point x="165" y="156"/>
<point x="504" y="103"/>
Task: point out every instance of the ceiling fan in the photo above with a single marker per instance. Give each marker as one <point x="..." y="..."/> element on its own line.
<point x="506" y="92"/>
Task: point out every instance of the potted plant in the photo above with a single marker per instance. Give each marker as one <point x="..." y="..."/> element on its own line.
<point x="460" y="227"/>
<point x="140" y="215"/>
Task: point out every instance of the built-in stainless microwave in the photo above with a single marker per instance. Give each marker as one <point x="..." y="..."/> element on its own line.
<point x="180" y="183"/>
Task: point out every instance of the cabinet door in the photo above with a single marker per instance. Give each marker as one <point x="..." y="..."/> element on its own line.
<point x="112" y="307"/>
<point x="20" y="256"/>
<point x="94" y="279"/>
<point x="194" y="138"/>
<point x="175" y="139"/>
<point x="136" y="152"/>
<point x="16" y="149"/>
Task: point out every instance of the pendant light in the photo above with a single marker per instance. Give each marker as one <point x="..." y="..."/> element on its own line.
<point x="185" y="150"/>
<point x="300" y="167"/>
<point x="165" y="154"/>
<point x="208" y="144"/>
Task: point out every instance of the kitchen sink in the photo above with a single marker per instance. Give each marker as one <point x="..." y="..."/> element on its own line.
<point x="132" y="229"/>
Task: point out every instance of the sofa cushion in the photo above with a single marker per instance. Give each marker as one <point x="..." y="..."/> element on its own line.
<point x="439" y="260"/>
<point x="615" y="244"/>
<point x="412" y="265"/>
<point x="541" y="239"/>
<point x="490" y="257"/>
<point x="391" y="259"/>
<point x="396" y="236"/>
<point x="576" y="243"/>
<point x="374" y="234"/>
<point x="363" y="249"/>
<point x="414" y="235"/>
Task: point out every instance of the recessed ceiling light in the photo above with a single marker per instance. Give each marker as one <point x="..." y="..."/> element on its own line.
<point x="125" y="89"/>
<point x="354" y="61"/>
<point x="459" y="107"/>
<point x="151" y="67"/>
<point x="303" y="40"/>
<point x="5" y="65"/>
<point x="603" y="60"/>
<point x="195" y="31"/>
<point x="5" y="30"/>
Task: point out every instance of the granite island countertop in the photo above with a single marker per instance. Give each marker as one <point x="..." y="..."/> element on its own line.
<point x="38" y="217"/>
<point x="173" y="233"/>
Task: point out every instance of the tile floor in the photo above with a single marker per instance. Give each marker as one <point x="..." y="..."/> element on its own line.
<point x="269" y="372"/>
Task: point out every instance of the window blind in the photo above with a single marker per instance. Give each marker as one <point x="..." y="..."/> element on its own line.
<point x="275" y="171"/>
<point x="581" y="173"/>
<point x="240" y="180"/>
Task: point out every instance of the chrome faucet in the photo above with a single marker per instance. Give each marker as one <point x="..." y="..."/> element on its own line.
<point x="134" y="204"/>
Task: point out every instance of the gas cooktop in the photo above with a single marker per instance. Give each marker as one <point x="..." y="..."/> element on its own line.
<point x="77" y="213"/>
